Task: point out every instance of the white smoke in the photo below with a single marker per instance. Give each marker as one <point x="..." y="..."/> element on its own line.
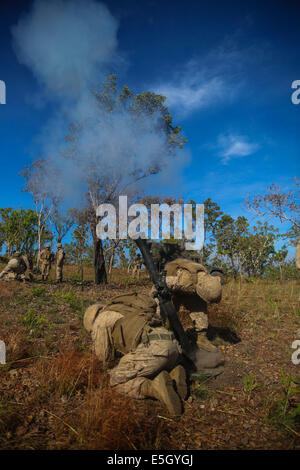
<point x="70" y="46"/>
<point x="66" y="44"/>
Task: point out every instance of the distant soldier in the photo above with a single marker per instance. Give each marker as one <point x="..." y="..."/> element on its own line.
<point x="60" y="256"/>
<point x="46" y="259"/>
<point x="130" y="326"/>
<point x="298" y="254"/>
<point x="15" y="268"/>
<point x="137" y="265"/>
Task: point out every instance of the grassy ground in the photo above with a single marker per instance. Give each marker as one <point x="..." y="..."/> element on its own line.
<point x="54" y="393"/>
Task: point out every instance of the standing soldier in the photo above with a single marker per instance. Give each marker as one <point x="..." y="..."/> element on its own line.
<point x="60" y="256"/>
<point x="137" y="266"/>
<point x="46" y="258"/>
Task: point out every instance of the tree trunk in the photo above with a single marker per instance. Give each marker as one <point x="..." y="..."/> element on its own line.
<point x="233" y="267"/>
<point x="80" y="262"/>
<point x="99" y="263"/>
<point x="111" y="260"/>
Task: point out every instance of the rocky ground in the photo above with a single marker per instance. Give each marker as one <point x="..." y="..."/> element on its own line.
<point x="54" y="393"/>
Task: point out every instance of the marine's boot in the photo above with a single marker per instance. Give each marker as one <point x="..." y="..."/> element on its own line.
<point x="178" y="374"/>
<point x="208" y="356"/>
<point x="162" y="389"/>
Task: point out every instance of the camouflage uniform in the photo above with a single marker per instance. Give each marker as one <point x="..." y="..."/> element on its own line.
<point x="129" y="325"/>
<point x="192" y="289"/>
<point x="60" y="256"/>
<point x="137" y="266"/>
<point x="15" y="268"/>
<point x="298" y="254"/>
<point x="29" y="264"/>
<point x="46" y="259"/>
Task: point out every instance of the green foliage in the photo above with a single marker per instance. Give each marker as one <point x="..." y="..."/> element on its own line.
<point x="79" y="251"/>
<point x="283" y="413"/>
<point x="126" y="252"/>
<point x="140" y="105"/>
<point x="18" y="229"/>
<point x="230" y="244"/>
<point x="38" y="291"/>
<point x="286" y="271"/>
<point x="77" y="305"/>
<point x="297" y="312"/>
<point x="200" y="390"/>
<point x="32" y="320"/>
<point x="249" y="384"/>
<point x="78" y="254"/>
<point x="71" y="299"/>
<point x="248" y="251"/>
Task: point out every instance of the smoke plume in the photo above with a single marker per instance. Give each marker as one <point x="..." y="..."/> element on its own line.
<point x="70" y="47"/>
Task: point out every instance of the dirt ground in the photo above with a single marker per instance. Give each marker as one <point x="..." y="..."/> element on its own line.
<point x="54" y="393"/>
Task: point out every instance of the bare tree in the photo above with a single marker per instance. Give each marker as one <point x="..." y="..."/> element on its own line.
<point x="106" y="180"/>
<point x="62" y="224"/>
<point x="36" y="177"/>
<point x="282" y="205"/>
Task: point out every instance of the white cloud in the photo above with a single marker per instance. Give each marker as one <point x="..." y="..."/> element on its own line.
<point x="234" y="146"/>
<point x="203" y="82"/>
<point x="191" y="94"/>
<point x="214" y="77"/>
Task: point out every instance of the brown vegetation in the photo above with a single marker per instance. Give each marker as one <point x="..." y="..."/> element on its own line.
<point x="55" y="394"/>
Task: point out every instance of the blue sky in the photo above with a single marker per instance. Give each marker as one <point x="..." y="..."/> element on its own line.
<point x="226" y="69"/>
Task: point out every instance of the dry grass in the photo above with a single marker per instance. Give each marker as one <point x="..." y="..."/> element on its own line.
<point x="54" y="393"/>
